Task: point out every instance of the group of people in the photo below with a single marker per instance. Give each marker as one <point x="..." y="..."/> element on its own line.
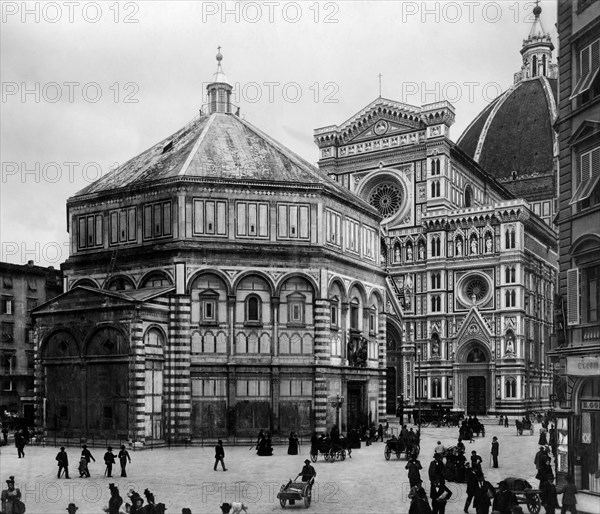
<point x="86" y="457"/>
<point x="469" y="427"/>
<point x="264" y="445"/>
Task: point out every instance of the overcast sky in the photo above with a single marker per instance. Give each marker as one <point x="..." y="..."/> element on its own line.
<point x="88" y="85"/>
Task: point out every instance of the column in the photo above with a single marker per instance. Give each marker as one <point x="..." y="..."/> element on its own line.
<point x="137" y="379"/>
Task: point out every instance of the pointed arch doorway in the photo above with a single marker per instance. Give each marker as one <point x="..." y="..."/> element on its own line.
<point x="473" y="377"/>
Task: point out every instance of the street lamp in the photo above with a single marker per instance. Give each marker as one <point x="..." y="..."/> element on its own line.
<point x="339" y="401"/>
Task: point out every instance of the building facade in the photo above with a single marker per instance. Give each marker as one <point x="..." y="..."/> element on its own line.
<point x="471" y="268"/>
<point x="577" y="356"/>
<point x="22" y="288"/>
<point x="217" y="284"/>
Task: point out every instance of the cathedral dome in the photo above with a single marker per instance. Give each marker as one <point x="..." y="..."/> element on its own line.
<point x="513" y="138"/>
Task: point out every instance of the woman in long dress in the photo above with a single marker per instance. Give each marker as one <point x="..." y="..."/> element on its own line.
<point x="293" y="444"/>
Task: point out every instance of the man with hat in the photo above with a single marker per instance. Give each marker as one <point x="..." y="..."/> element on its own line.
<point x="504" y="499"/>
<point x="11" y="498"/>
<point x="115" y="502"/>
<point x="63" y="462"/>
<point x="308" y="473"/>
<point x="72" y="508"/>
<point x="109" y="460"/>
<point x="495" y="451"/>
<point x="87" y="455"/>
<point x="219" y="455"/>
<point x="123" y="458"/>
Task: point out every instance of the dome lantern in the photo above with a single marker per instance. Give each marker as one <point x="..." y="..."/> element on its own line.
<point x="537" y="52"/>
<point x="219" y="90"/>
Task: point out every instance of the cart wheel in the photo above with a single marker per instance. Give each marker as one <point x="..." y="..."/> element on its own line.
<point x="343" y="454"/>
<point x="387" y="452"/>
<point x="282" y="503"/>
<point x="534" y="503"/>
<point x="307" y="498"/>
<point x="398" y="454"/>
<point x="349" y="453"/>
<point x="314" y="457"/>
<point x="332" y="455"/>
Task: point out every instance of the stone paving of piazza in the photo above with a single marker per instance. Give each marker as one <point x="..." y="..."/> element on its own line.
<point x="181" y="477"/>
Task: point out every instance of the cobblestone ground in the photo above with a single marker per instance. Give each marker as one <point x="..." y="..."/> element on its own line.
<point x="180" y="477"/>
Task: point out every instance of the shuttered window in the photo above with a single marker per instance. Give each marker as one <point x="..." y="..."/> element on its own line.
<point x="589" y="175"/>
<point x="589" y="64"/>
<point x="573" y="296"/>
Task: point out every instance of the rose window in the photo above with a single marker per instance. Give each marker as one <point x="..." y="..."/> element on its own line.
<point x="386" y="198"/>
<point x="476" y="288"/>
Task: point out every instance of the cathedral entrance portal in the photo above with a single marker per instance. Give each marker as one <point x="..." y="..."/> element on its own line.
<point x="356" y="407"/>
<point x="476" y="396"/>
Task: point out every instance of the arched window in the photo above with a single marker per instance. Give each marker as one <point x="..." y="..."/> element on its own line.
<point x="436" y="303"/>
<point x="209" y="301"/>
<point x="468" y="196"/>
<point x="436" y="280"/>
<point x="334" y="312"/>
<point x="435" y="246"/>
<point x="435" y="345"/>
<point x="534" y="66"/>
<point x="253" y="309"/>
<point x="510" y="388"/>
<point x="373" y="320"/>
<point x="510" y="274"/>
<point x="435" y="189"/>
<point x="120" y="283"/>
<point x="510" y="298"/>
<point x="354" y="308"/>
<point x="509" y="238"/>
<point x="156" y="279"/>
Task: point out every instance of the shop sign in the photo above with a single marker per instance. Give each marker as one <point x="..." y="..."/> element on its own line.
<point x="583" y="366"/>
<point x="590" y="404"/>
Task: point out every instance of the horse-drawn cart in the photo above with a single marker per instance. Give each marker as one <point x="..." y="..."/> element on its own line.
<point x="524" y="426"/>
<point x="295" y="491"/>
<point x="330" y="451"/>
<point x="525" y="493"/>
<point x="398" y="446"/>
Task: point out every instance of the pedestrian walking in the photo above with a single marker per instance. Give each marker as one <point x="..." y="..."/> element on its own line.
<point x="87" y="455"/>
<point x="504" y="499"/>
<point x="219" y="455"/>
<point x="109" y="460"/>
<point x="543" y="440"/>
<point x="483" y="495"/>
<point x="308" y="473"/>
<point x="476" y="461"/>
<point x="20" y="443"/>
<point x="569" y="501"/>
<point x="123" y="459"/>
<point x="506" y="421"/>
<point x="439" y="495"/>
<point x="293" y="444"/>
<point x="414" y="475"/>
<point x="63" y="462"/>
<point x="11" y="498"/>
<point x="5" y="435"/>
<point x="440" y="448"/>
<point x="548" y="496"/>
<point x="379" y="433"/>
<point x="83" y="468"/>
<point x="472" y="484"/>
<point x="495" y="451"/>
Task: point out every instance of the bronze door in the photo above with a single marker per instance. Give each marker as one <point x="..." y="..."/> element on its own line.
<point x="476" y="396"/>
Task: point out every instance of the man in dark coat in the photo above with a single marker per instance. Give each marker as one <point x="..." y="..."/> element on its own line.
<point x="109" y="460"/>
<point x="436" y="468"/>
<point x="219" y="455"/>
<point x="63" y="462"/>
<point x="308" y="472"/>
<point x="495" y="451"/>
<point x="439" y="495"/>
<point x="413" y="466"/>
<point x="5" y="435"/>
<point x="87" y="454"/>
<point x="548" y="496"/>
<point x="483" y="496"/>
<point x="20" y="443"/>
<point x="476" y="461"/>
<point x="504" y="499"/>
<point x="472" y="484"/>
<point x="123" y="458"/>
<point x="540" y="458"/>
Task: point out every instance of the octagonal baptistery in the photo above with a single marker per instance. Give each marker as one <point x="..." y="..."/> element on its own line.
<point x="213" y="282"/>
